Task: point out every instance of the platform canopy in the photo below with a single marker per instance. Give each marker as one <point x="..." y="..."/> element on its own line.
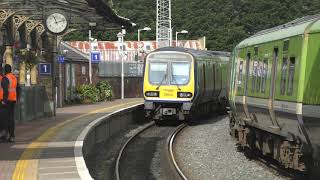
<point x="79" y="12"/>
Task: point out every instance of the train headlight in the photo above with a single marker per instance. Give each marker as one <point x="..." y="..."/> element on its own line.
<point x="184" y="95"/>
<point x="152" y="94"/>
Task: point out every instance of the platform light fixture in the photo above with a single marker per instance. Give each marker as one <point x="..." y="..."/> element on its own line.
<point x="180" y="32"/>
<point x="144" y="29"/>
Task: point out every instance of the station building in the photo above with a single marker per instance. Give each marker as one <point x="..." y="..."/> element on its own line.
<point x="32" y="50"/>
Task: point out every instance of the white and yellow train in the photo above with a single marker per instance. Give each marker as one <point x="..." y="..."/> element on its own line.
<point x="183" y="83"/>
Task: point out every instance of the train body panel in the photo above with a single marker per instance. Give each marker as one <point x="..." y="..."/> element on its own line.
<point x="274" y="89"/>
<point x="182" y="80"/>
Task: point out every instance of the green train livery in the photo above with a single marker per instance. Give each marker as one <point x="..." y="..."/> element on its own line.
<point x="275" y="93"/>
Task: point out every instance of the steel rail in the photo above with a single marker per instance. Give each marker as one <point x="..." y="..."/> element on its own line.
<point x="170" y="149"/>
<point x="126" y="144"/>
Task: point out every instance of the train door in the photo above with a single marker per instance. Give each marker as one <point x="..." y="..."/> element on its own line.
<point x="246" y="85"/>
<point x="273" y="88"/>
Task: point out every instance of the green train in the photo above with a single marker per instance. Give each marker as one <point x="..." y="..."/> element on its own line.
<point x="275" y="93"/>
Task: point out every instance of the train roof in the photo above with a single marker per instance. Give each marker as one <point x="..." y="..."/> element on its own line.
<point x="195" y="53"/>
<point x="290" y="29"/>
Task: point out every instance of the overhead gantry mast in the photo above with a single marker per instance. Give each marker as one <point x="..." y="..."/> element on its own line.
<point x="164" y="31"/>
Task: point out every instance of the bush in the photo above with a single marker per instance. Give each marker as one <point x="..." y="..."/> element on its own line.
<point x="105" y="91"/>
<point x="88" y="93"/>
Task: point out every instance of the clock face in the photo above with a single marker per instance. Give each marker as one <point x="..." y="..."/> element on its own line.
<point x="56" y="23"/>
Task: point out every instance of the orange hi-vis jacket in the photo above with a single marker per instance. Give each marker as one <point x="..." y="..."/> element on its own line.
<point x="12" y="87"/>
<point x="1" y="90"/>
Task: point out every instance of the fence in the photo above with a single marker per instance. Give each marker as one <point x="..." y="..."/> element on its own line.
<point x="114" y="55"/>
<point x="113" y="69"/>
<point x="32" y="104"/>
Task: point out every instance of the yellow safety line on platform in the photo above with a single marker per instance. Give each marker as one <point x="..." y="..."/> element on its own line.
<point x="27" y="165"/>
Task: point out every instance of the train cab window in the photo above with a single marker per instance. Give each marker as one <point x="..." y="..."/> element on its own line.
<point x="286" y="45"/>
<point x="291" y="76"/>
<point x="283" y="76"/>
<point x="158" y="73"/>
<point x="264" y="74"/>
<point x="180" y="73"/>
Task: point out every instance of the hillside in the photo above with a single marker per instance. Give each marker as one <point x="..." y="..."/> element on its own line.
<point x="224" y="22"/>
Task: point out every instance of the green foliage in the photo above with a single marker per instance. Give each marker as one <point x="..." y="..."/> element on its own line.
<point x="29" y="57"/>
<point x="88" y="93"/>
<point x="224" y="22"/>
<point x="105" y="90"/>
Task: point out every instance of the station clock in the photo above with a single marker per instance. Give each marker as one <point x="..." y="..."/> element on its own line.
<point x="56" y="23"/>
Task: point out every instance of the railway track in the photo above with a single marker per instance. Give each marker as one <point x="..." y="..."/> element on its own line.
<point x="149" y="154"/>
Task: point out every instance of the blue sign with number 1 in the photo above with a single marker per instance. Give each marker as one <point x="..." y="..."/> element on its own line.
<point x="95" y="57"/>
<point x="45" y="69"/>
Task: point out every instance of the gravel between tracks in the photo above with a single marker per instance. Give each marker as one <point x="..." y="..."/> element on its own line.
<point x="206" y="151"/>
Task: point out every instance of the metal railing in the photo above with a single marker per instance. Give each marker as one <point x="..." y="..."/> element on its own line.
<point x="113" y="69"/>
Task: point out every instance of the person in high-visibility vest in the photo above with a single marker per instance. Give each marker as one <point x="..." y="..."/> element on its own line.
<point x="9" y="84"/>
<point x="1" y="90"/>
<point x="3" y="129"/>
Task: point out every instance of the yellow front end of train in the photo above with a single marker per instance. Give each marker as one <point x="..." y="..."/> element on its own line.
<point x="168" y="86"/>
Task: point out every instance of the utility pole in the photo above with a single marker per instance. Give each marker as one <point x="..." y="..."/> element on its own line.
<point x="164" y="32"/>
<point x="120" y="36"/>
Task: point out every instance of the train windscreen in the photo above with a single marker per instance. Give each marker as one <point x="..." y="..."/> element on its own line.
<point x="158" y="73"/>
<point x="180" y="73"/>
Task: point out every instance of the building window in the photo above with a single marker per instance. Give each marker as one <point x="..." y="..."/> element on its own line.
<point x="264" y="74"/>
<point x="148" y="47"/>
<point x="286" y="45"/>
<point x="283" y="76"/>
<point x="83" y="70"/>
<point x="291" y="76"/>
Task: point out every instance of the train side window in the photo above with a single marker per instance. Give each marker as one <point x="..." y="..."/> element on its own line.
<point x="259" y="77"/>
<point x="256" y="50"/>
<point x="291" y="76"/>
<point x="264" y="74"/>
<point x="214" y="75"/>
<point x="240" y="74"/>
<point x="204" y="76"/>
<point x="254" y="75"/>
<point x="284" y="76"/>
<point x="286" y="45"/>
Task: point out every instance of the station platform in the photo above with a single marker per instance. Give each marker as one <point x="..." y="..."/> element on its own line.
<point x="44" y="149"/>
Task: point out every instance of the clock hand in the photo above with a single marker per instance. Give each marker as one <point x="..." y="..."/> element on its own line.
<point x="55" y="19"/>
<point x="61" y="21"/>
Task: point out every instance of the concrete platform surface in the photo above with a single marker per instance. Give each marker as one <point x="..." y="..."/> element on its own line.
<point x="44" y="149"/>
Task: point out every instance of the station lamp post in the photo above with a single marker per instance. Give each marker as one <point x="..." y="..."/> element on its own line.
<point x="181" y="32"/>
<point x="91" y="24"/>
<point x="120" y="36"/>
<point x="144" y="29"/>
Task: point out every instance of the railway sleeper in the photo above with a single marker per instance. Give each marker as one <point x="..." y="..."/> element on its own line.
<point x="287" y="153"/>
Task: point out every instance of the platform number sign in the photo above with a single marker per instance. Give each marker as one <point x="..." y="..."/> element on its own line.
<point x="45" y="69"/>
<point x="95" y="57"/>
<point x="60" y="59"/>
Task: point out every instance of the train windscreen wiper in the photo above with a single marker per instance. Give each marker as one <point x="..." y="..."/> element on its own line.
<point x="177" y="84"/>
<point x="164" y="77"/>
